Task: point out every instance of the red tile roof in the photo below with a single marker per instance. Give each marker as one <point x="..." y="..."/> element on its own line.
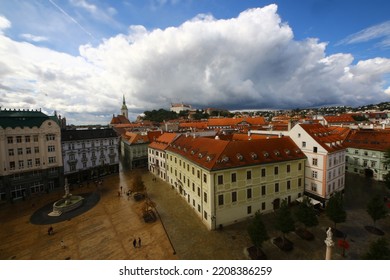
<point x="326" y="137"/>
<point x="162" y="142"/>
<point x="214" y="154"/>
<point x="377" y="140"/>
<point x="344" y="118"/>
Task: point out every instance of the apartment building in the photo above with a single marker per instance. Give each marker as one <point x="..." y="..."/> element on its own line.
<point x="366" y="153"/>
<point x="325" y="164"/>
<point x="30" y="154"/>
<point x="89" y="153"/>
<point x="228" y="181"/>
<point x="157" y="154"/>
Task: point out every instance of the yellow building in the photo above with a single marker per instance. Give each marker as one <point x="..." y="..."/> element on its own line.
<point x="228" y="181"/>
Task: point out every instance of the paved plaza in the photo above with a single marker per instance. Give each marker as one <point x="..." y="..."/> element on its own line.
<point x="106" y="231"/>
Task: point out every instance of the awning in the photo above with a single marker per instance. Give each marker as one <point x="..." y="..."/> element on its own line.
<point x="312" y="200"/>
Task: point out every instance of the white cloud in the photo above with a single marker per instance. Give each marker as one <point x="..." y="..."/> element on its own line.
<point x="380" y="31"/>
<point x="4" y="24"/>
<point x="251" y="61"/>
<point x="34" y="38"/>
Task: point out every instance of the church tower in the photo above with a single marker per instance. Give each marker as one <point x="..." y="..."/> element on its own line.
<point x="124" y="110"/>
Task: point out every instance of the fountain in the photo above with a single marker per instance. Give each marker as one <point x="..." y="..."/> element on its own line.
<point x="68" y="202"/>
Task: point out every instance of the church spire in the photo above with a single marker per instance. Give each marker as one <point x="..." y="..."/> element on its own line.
<point x="124" y="110"/>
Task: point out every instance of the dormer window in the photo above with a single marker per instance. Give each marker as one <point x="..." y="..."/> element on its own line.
<point x="225" y="159"/>
<point x="266" y="154"/>
<point x="277" y="153"/>
<point x="254" y="155"/>
<point x="287" y="151"/>
<point x="239" y="157"/>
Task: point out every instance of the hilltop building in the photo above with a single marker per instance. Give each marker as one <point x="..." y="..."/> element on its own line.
<point x="30" y="154"/>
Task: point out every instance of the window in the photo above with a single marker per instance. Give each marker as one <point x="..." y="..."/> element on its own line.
<point x="299" y="166"/>
<point x="263" y="190"/>
<point x="20" y="151"/>
<point x="276" y="187"/>
<point x="37" y="162"/>
<point x="220" y="199"/>
<point x="52" y="159"/>
<point x="205" y="178"/>
<point x="18" y="139"/>
<point x="29" y="163"/>
<point x="11" y="152"/>
<point x="36" y="150"/>
<point x="234" y="196"/>
<point x="263" y="172"/>
<point x="314" y="187"/>
<point x="234" y="177"/>
<point x="249" y="193"/>
<point x="12" y="165"/>
<point x="198" y="174"/>
<point x="315" y="149"/>
<point x="249" y="175"/>
<point x="315" y="161"/>
<point x="10" y="140"/>
<point x="35" y="137"/>
<point x="288" y="168"/>
<point x="263" y="206"/>
<point x="27" y="139"/>
<point x="198" y="191"/>
<point x="288" y="185"/>
<point x="50" y="137"/>
<point x="299" y="182"/>
<point x="205" y="215"/>
<point x="276" y="170"/>
<point x="28" y="151"/>
<point x="205" y="197"/>
<point x="21" y="164"/>
<point x="51" y="148"/>
<point x="249" y="210"/>
<point x="220" y="179"/>
<point x="314" y="174"/>
<point x="303" y="144"/>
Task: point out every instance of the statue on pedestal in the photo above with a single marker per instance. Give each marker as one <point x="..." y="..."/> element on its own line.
<point x="329" y="243"/>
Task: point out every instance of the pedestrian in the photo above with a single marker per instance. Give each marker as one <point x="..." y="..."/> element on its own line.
<point x="135" y="243"/>
<point x="121" y="189"/>
<point x="119" y="193"/>
<point x="139" y="242"/>
<point x="50" y="230"/>
<point x="62" y="244"/>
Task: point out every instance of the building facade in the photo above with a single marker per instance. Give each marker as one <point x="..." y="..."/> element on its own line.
<point x="89" y="154"/>
<point x="366" y="153"/>
<point x="228" y="181"/>
<point x="157" y="154"/>
<point x="325" y="164"/>
<point x="30" y="152"/>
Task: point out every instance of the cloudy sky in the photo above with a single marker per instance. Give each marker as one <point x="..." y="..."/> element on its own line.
<point x="79" y="57"/>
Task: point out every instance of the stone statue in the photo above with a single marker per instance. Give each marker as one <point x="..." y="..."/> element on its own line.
<point x="66" y="187"/>
<point x="329" y="238"/>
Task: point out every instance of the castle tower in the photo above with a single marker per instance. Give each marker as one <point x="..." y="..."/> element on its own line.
<point x="124" y="110"/>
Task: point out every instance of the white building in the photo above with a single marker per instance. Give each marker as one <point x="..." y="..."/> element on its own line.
<point x="178" y="107"/>
<point x="157" y="155"/>
<point x="325" y="164"/>
<point x="30" y="154"/>
<point x="89" y="153"/>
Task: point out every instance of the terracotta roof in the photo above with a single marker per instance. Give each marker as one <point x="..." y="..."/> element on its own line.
<point x="326" y="137"/>
<point x="377" y="140"/>
<point x="344" y="118"/>
<point x="135" y="138"/>
<point x="162" y="142"/>
<point x="235" y="121"/>
<point x="199" y="125"/>
<point x="214" y="154"/>
<point x="120" y="119"/>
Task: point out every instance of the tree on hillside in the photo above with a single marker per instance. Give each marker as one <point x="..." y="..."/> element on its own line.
<point x="376" y="208"/>
<point x="257" y="232"/>
<point x="160" y="115"/>
<point x="335" y="209"/>
<point x="386" y="162"/>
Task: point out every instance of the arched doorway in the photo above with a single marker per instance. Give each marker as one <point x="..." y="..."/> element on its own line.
<point x="369" y="173"/>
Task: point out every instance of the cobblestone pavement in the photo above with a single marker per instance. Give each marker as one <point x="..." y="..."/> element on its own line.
<point x="107" y="230"/>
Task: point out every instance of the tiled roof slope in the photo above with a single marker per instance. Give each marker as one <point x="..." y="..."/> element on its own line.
<point x="162" y="142"/>
<point x="326" y="137"/>
<point x="21" y="118"/>
<point x="214" y="154"/>
<point x="344" y="118"/>
<point x="135" y="138"/>
<point x="377" y="140"/>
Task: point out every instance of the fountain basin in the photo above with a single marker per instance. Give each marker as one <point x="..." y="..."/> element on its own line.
<point x="66" y="204"/>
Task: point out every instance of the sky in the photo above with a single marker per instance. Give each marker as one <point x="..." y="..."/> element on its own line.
<point x="80" y="57"/>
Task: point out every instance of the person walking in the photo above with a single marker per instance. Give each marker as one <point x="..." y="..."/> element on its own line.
<point x="135" y="243"/>
<point x="139" y="242"/>
<point x="50" y="231"/>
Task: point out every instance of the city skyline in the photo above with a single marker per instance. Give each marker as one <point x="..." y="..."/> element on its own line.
<point x="79" y="57"/>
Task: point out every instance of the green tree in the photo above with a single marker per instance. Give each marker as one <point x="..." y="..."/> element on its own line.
<point x="257" y="231"/>
<point x="138" y="185"/>
<point x="284" y="219"/>
<point x="379" y="250"/>
<point x="376" y="208"/>
<point x="386" y="162"/>
<point x="305" y="213"/>
<point x="335" y="209"/>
